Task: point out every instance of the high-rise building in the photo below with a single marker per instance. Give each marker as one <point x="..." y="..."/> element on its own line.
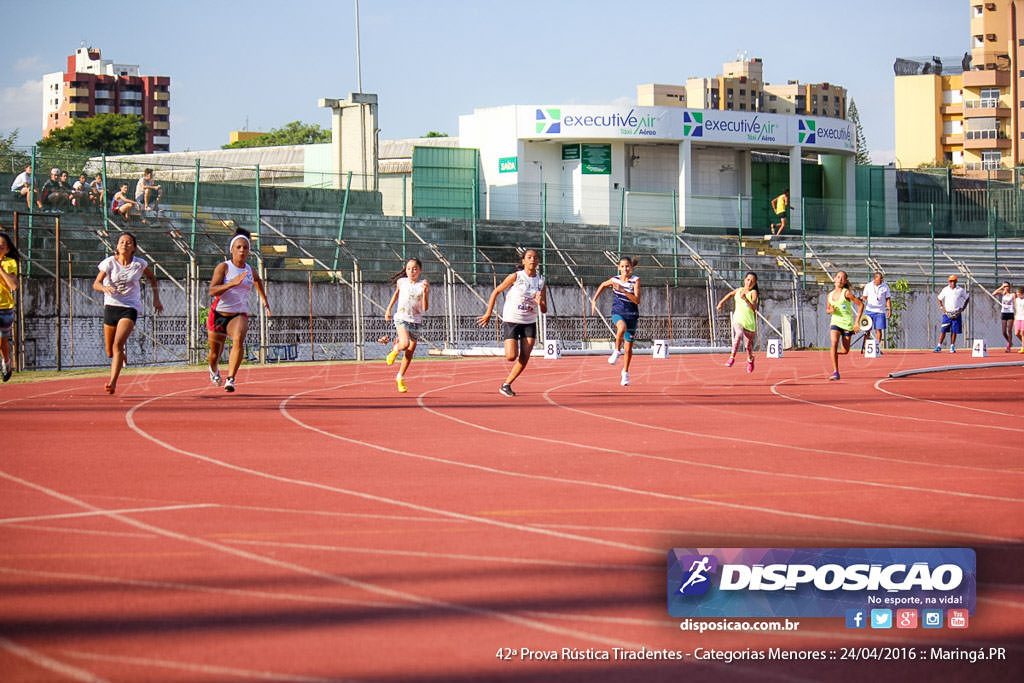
<point x="741" y="87"/>
<point x="91" y="85"/>
<point x="965" y="113"/>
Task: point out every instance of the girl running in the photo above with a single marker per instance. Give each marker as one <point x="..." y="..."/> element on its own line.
<point x="9" y="258"/>
<point x="230" y="286"/>
<point x="412" y="296"/>
<point x="527" y="293"/>
<point x="844" y="322"/>
<point x="120" y="281"/>
<point x="746" y="300"/>
<point x="1006" y="306"/>
<point x="625" y="312"/>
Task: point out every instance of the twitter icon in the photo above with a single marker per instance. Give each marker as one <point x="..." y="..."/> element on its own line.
<point x="881" y="618"/>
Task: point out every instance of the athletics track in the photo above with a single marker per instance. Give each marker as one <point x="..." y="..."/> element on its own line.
<point x="318" y="525"/>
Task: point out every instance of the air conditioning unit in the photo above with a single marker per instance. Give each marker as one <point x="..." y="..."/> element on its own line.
<point x="990" y="37"/>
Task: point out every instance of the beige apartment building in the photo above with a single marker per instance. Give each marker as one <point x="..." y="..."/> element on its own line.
<point x="741" y="87"/>
<point x="967" y="115"/>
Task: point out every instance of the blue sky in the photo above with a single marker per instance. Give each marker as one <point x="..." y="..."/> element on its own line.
<point x="263" y="64"/>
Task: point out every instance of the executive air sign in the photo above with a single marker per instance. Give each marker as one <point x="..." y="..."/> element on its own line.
<point x="753" y="129"/>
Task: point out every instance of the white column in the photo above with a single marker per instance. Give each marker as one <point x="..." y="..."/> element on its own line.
<point x="796" y="194"/>
<point x="685" y="179"/>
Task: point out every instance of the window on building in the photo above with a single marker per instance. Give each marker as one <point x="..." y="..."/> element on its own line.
<point x="978" y="11"/>
<point x="991" y="160"/>
<point x="728" y="105"/>
<point x="979" y="40"/>
<point x="728" y="92"/>
<point x="743" y="91"/>
<point x="743" y="105"/>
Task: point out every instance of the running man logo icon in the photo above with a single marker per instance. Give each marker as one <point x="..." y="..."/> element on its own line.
<point x="696" y="582"/>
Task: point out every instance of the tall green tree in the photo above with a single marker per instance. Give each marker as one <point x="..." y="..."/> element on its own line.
<point x="108" y="133"/>
<point x="294" y="133"/>
<point x="863" y="157"/>
<point x="11" y="159"/>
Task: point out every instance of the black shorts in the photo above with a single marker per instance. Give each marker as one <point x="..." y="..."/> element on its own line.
<point x="518" y="331"/>
<point x="1007" y="316"/>
<point x="221" y="320"/>
<point x="113" y="314"/>
<point x="845" y="333"/>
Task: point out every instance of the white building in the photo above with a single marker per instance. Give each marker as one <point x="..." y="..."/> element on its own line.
<point x="595" y="158"/>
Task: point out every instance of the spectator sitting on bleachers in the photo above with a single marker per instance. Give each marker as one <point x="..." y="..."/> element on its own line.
<point x="147" y="192"/>
<point x="81" y="193"/>
<point x="54" y="194"/>
<point x="22" y="187"/>
<point x="123" y="205"/>
<point x="98" y="194"/>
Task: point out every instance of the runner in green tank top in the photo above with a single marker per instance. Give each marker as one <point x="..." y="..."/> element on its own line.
<point x="843" y="323"/>
<point x="746" y="300"/>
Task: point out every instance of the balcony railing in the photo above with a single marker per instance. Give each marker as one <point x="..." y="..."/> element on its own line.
<point x="983" y="103"/>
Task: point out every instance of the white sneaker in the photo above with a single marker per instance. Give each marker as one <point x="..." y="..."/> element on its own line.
<point x="229" y="384"/>
<point x="952" y="349"/>
<point x="625" y="379"/>
<point x="614" y="358"/>
<point x="215" y="378"/>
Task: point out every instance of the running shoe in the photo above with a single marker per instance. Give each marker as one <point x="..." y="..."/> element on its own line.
<point x="937" y="349"/>
<point x="506" y="390"/>
<point x="750" y="365"/>
<point x="229" y="384"/>
<point x="401" y="385"/>
<point x="215" y="378"/>
<point x="614" y="358"/>
<point x="625" y="379"/>
<point x="729" y="362"/>
<point x="834" y="377"/>
<point x="1008" y="347"/>
<point x="6" y="371"/>
<point x="392" y="356"/>
<point x="1021" y="350"/>
<point x="952" y="349"/>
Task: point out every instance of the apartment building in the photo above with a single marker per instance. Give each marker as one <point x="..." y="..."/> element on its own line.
<point x="92" y="85"/>
<point x="741" y="87"/>
<point x="967" y="115"/>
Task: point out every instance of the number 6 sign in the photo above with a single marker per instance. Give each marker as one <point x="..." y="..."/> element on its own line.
<point x="774" y="348"/>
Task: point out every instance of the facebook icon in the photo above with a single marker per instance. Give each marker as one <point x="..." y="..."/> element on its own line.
<point x="855" y="618"/>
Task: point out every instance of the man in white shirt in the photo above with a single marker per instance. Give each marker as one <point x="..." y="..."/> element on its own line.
<point x="877" y="305"/>
<point x="952" y="302"/>
<point x="22" y="186"/>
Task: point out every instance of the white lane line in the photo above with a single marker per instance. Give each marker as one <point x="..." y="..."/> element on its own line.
<point x="70" y="530"/>
<point x="447" y="556"/>
<point x="336" y="578"/>
<point x="198" y="588"/>
<point x="49" y="663"/>
<point x="197" y="668"/>
<point x="129" y="417"/>
<point x="32" y="396"/>
<point x="957" y="406"/>
<point x="100" y="513"/>
<point x="889" y="416"/>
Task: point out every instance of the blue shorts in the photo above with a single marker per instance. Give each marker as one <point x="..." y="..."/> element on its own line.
<point x="877" y="320"/>
<point x="630" y="325"/>
<point x="412" y="328"/>
<point x="952" y="325"/>
<point x="6" y="322"/>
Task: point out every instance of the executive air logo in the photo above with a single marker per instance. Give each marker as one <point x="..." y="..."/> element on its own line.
<point x="807" y="130"/>
<point x="693" y="124"/>
<point x="549" y="121"/>
<point x="817" y="582"/>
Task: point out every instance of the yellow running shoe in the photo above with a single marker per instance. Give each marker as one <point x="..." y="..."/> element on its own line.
<point x="401" y="386"/>
<point x="392" y="356"/>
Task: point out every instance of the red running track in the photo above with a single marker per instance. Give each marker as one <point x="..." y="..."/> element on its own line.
<point x="318" y="525"/>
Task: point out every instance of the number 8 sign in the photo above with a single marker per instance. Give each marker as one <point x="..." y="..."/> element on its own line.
<point x="553" y="349"/>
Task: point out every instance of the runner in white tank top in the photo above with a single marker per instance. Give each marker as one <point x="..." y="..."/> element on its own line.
<point x="527" y="294"/>
<point x="412" y="296"/>
<point x="1006" y="299"/>
<point x="230" y="286"/>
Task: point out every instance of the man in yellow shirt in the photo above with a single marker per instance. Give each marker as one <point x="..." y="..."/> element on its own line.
<point x="8" y="284"/>
<point x="780" y="205"/>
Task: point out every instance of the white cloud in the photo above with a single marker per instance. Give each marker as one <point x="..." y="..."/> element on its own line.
<point x="883" y="157"/>
<point x="32" y="65"/>
<point x="22" y="108"/>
